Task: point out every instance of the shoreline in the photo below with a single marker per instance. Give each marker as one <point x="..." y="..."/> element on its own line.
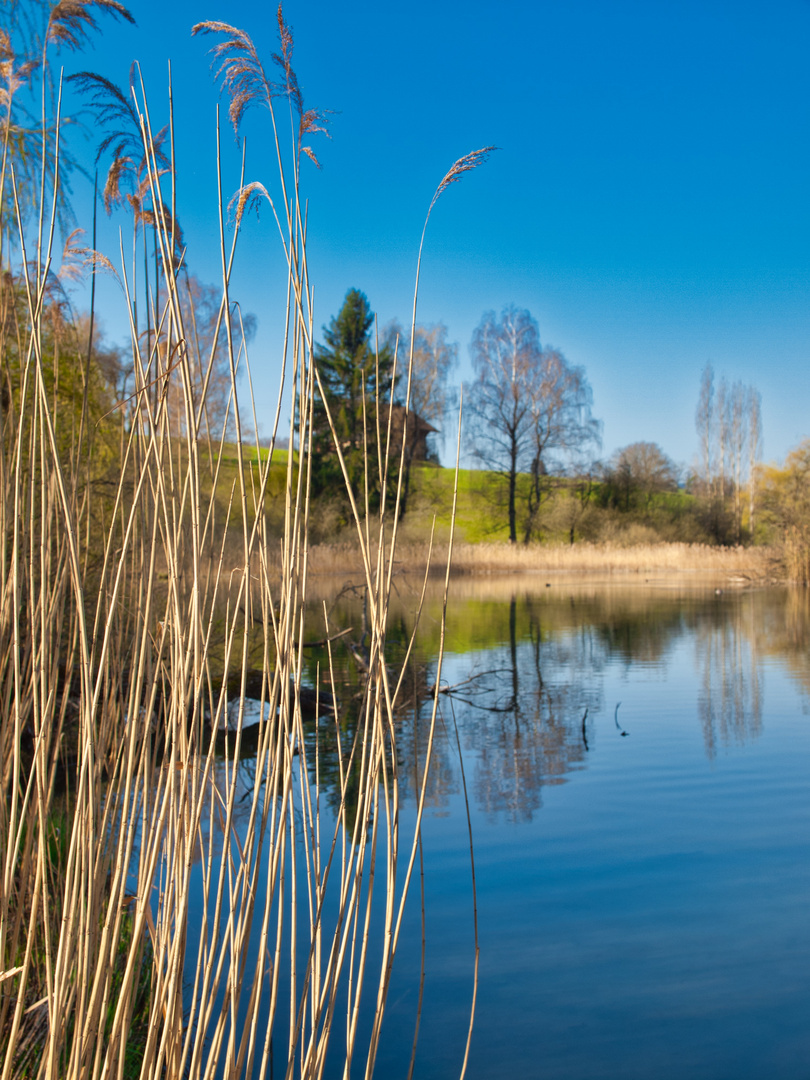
<point x="700" y="563"/>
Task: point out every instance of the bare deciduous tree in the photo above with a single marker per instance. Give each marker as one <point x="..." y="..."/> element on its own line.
<point x="730" y="434"/>
<point x="641" y="471"/>
<point x="737" y="437"/>
<point x="754" y="409"/>
<point x="722" y="440"/>
<point x="427" y="394"/>
<point x="203" y="317"/>
<point x="506" y="356"/>
<point x="704" y="421"/>
<point x="527" y="403"/>
<point x="561" y="421"/>
<point x="434" y="358"/>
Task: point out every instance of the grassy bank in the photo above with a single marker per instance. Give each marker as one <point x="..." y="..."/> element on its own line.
<point x="612" y="543"/>
<point x="572" y="509"/>
<point x="632" y="550"/>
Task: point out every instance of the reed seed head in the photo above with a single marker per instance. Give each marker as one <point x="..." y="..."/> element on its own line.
<point x="236" y="62"/>
<point x="458" y="168"/>
<point x="71" y="21"/>
<point x="76" y="259"/>
<point x="248" y="198"/>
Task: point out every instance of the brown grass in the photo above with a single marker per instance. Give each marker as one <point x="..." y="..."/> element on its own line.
<point x="751" y="564"/>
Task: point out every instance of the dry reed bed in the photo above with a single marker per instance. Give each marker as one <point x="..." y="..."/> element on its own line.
<point x="121" y="605"/>
<point x="756" y="564"/>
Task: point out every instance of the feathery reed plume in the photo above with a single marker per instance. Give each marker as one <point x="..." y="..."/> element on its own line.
<point x="240" y="69"/>
<point x="14" y="77"/>
<point x="248" y="198"/>
<point x="246" y="82"/>
<point x="115" y="111"/>
<point x="70" y="21"/>
<point x="458" y="168"/>
<point x="77" y="259"/>
<point x="71" y="269"/>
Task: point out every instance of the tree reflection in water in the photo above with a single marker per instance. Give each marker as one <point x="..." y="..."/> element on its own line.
<point x="528" y="730"/>
<point x="727" y="657"/>
<point x="524" y="664"/>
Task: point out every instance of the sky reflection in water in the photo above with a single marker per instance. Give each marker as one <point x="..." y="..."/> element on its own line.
<point x="643" y="899"/>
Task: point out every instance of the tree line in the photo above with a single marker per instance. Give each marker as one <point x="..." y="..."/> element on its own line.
<point x="528" y="419"/>
<point x="530" y="428"/>
<point x="529" y="422"/>
<point x="529" y="408"/>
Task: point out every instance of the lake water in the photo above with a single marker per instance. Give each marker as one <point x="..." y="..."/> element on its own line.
<point x="643" y="869"/>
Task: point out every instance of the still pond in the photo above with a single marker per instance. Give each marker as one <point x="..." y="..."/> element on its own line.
<point x="637" y="769"/>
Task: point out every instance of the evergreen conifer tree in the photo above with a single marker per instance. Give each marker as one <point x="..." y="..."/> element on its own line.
<point x="356" y="379"/>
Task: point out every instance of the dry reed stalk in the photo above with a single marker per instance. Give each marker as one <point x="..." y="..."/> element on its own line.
<point x="760" y="563"/>
<point x="115" y="655"/>
<point x="683" y="558"/>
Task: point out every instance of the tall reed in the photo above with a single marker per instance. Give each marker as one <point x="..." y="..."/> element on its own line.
<point x="149" y="926"/>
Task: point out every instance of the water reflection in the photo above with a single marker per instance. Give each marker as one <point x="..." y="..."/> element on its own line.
<point x="727" y="658"/>
<point x="531" y="729"/>
<point x="523" y="685"/>
<point x="649" y="915"/>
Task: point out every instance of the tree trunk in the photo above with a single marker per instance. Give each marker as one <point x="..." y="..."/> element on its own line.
<point x="512" y="493"/>
<point x="533" y="503"/>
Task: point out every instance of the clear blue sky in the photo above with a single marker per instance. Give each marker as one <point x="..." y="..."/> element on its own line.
<point x="648" y="205"/>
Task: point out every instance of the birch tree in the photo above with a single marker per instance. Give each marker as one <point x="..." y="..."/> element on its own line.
<point x="528" y="404"/>
<point x="737" y="438"/>
<point x="754" y="409"/>
<point x="704" y="421"/>
<point x="561" y="400"/>
<point x="722" y="441"/>
<point x="729" y="431"/>
<point x="505" y="355"/>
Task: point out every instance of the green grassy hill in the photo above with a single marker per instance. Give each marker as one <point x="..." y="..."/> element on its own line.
<point x="571" y="510"/>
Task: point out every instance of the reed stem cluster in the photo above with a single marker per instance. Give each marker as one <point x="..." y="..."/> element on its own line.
<point x="149" y="925"/>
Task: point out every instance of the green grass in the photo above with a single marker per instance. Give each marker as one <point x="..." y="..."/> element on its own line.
<point x="228" y="478"/>
<point x="481" y="513"/>
<point x="479" y="516"/>
<point x="482" y="510"/>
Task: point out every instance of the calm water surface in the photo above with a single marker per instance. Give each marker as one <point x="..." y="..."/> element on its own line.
<point x="643" y="874"/>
